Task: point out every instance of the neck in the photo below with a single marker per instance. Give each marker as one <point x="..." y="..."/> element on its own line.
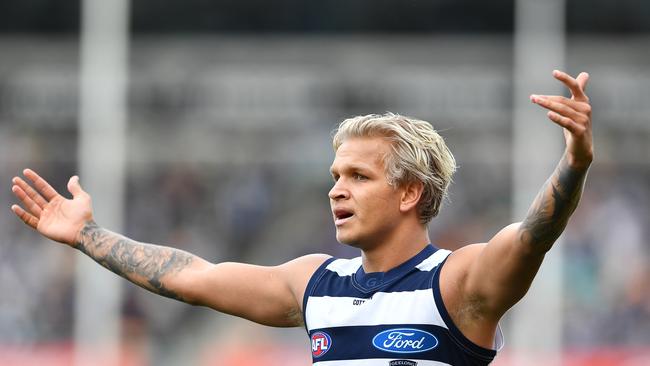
<point x="395" y="251"/>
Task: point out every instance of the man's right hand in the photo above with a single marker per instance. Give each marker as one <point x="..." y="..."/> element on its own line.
<point x="266" y="295"/>
<point x="48" y="212"/>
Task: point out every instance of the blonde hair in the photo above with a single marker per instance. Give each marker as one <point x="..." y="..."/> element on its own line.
<point x="418" y="153"/>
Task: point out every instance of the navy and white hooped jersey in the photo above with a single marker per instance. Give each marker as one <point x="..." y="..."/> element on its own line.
<point x="394" y="318"/>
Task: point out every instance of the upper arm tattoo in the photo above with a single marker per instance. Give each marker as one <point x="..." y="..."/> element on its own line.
<point x="554" y="204"/>
<point x="142" y="264"/>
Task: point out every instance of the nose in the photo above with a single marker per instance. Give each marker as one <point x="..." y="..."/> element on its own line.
<point x="338" y="191"/>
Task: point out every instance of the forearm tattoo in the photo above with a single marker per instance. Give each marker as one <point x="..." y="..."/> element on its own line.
<point x="142" y="264"/>
<point x="554" y="204"/>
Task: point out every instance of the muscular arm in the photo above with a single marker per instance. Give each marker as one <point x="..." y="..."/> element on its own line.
<point x="146" y="265"/>
<point x="480" y="282"/>
<point x="266" y="295"/>
<point x="548" y="215"/>
<point x="503" y="269"/>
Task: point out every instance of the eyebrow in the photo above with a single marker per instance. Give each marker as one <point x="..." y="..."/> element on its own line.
<point x="354" y="168"/>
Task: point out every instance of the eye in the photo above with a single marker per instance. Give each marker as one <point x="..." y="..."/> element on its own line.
<point x="335" y="177"/>
<point x="360" y="177"/>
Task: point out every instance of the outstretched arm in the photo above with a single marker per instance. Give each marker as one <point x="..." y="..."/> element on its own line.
<point x="490" y="278"/>
<point x="267" y="295"/>
<point x="143" y="264"/>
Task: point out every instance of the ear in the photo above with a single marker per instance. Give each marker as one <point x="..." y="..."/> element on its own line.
<point x="411" y="193"/>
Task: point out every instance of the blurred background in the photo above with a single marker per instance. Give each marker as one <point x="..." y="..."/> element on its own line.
<point x="205" y="125"/>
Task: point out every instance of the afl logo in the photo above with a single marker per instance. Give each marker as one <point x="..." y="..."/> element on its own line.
<point x="320" y="344"/>
<point x="404" y="340"/>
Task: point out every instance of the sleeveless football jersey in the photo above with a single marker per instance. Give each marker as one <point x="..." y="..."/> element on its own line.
<point x="394" y="318"/>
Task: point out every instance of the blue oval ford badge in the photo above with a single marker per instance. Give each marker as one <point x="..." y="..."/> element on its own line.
<point x="404" y="340"/>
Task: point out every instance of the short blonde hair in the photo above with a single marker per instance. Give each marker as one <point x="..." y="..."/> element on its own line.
<point x="418" y="153"/>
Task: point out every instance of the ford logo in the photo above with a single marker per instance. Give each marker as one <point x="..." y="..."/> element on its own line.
<point x="404" y="340"/>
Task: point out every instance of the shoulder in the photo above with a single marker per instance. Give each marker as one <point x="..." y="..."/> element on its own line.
<point x="297" y="272"/>
<point x="306" y="264"/>
<point x="460" y="259"/>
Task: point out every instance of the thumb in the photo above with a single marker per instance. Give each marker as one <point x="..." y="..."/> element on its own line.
<point x="582" y="79"/>
<point x="74" y="187"/>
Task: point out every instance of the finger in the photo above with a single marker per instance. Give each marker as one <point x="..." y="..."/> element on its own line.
<point x="583" y="79"/>
<point x="565" y="122"/>
<point x="24" y="216"/>
<point x="572" y="84"/>
<point x="42" y="186"/>
<point x="35" y="196"/>
<point x="74" y="187"/>
<point x="582" y="107"/>
<point x="557" y="107"/>
<point x="34" y="208"/>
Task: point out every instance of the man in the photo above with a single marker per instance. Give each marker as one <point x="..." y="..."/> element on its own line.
<point x="403" y="302"/>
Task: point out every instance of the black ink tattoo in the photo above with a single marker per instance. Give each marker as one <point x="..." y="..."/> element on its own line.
<point x="143" y="264"/>
<point x="554" y="204"/>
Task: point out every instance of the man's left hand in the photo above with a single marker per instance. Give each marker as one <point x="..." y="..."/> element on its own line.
<point x="574" y="115"/>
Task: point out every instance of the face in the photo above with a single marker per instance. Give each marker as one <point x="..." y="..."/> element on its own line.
<point x="365" y="207"/>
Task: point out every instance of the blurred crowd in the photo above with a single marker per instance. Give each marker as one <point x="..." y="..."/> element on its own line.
<point x="272" y="206"/>
<point x="224" y="213"/>
<point x="607" y="265"/>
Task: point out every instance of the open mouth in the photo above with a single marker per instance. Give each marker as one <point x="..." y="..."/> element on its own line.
<point x="341" y="216"/>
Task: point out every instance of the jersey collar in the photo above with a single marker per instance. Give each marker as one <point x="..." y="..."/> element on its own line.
<point x="374" y="280"/>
